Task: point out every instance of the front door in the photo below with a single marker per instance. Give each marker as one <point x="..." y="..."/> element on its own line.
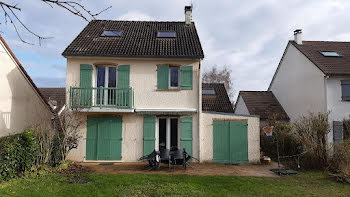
<point x="104" y="138"/>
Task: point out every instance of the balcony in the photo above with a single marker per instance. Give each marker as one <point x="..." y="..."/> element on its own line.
<point x="83" y="98"/>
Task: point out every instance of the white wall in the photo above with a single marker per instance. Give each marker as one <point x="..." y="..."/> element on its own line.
<point x="241" y="107"/>
<point x="143" y="79"/>
<point x="20" y="105"/>
<point x="299" y="85"/>
<point x="206" y="140"/>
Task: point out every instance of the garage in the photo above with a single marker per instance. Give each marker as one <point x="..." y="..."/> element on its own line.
<point x="230" y="141"/>
<point x="104" y="138"/>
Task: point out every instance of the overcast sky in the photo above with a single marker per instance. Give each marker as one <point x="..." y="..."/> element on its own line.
<point x="248" y="36"/>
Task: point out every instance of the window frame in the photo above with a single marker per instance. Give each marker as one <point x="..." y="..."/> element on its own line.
<point x="209" y="90"/>
<point x="342" y="84"/>
<point x="334" y="56"/>
<point x="106" y="81"/>
<point x="178" y="78"/>
<point x="159" y="32"/>
<point x="120" y="33"/>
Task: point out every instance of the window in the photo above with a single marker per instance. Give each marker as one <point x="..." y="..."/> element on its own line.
<point x="330" y="54"/>
<point x="208" y="92"/>
<point x="166" y="34"/>
<point x="106" y="78"/>
<point x="345" y="90"/>
<point x="111" y="33"/>
<point x="174" y="77"/>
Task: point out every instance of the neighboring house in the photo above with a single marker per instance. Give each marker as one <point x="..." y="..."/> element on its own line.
<point x="55" y="97"/>
<point x="314" y="76"/>
<point x="138" y="86"/>
<point x="261" y="103"/>
<point x="21" y="104"/>
<point x="215" y="98"/>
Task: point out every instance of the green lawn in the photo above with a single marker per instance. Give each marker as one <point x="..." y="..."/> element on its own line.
<point x="303" y="184"/>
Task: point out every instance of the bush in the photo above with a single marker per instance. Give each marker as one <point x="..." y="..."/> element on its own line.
<point x="341" y="159"/>
<point x="18" y="154"/>
<point x="312" y="132"/>
<point x="287" y="143"/>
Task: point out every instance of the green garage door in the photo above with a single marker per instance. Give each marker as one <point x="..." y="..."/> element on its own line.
<point x="230" y="142"/>
<point x="104" y="138"/>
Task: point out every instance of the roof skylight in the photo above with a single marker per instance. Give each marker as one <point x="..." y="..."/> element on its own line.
<point x="111" y="33"/>
<point x="330" y="54"/>
<point x="166" y="34"/>
<point x="208" y="92"/>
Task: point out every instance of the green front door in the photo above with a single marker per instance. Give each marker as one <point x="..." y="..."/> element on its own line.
<point x="104" y="138"/>
<point x="230" y="142"/>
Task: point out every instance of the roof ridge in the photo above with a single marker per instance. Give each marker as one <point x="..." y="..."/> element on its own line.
<point x="330" y="41"/>
<point x="153" y="21"/>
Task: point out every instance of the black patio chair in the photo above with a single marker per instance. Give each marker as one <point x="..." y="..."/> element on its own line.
<point x="165" y="156"/>
<point x="153" y="163"/>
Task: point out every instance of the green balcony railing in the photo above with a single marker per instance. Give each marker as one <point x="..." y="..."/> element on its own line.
<point x="101" y="97"/>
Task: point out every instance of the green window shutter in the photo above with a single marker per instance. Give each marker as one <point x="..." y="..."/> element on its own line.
<point x="186" y="134"/>
<point x="85" y="84"/>
<point x="163" y="77"/>
<point x="123" y="98"/>
<point x="149" y="129"/>
<point x="186" y="77"/>
<point x="91" y="138"/>
<point x="123" y="76"/>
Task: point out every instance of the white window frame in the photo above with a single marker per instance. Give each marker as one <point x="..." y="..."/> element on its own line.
<point x="178" y="130"/>
<point x="105" y="99"/>
<point x="178" y="80"/>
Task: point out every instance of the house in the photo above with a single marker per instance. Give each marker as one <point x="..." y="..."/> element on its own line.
<point x="21" y="104"/>
<point x="261" y="103"/>
<point x="314" y="76"/>
<point x="55" y="97"/>
<point x="137" y="85"/>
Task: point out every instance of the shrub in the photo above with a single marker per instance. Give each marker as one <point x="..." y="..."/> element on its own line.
<point x="287" y="143"/>
<point x="18" y="154"/>
<point x="312" y="132"/>
<point x="341" y="159"/>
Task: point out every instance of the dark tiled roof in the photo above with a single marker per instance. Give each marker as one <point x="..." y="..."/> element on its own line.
<point x="138" y="39"/>
<point x="263" y="104"/>
<point x="220" y="102"/>
<point x="24" y="71"/>
<point x="328" y="65"/>
<point x="55" y="94"/>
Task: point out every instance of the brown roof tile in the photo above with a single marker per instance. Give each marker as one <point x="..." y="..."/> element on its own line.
<point x="328" y="65"/>
<point x="220" y="102"/>
<point x="57" y="95"/>
<point x="263" y="104"/>
<point x="138" y="39"/>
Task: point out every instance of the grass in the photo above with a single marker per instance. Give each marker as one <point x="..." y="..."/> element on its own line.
<point x="303" y="184"/>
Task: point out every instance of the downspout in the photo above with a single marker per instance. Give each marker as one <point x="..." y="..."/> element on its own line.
<point x="199" y="109"/>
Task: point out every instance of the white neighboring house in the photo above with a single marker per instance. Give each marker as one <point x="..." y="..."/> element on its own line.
<point x="21" y="104"/>
<point x="314" y="76"/>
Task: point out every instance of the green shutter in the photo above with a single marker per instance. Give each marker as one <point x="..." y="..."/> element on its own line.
<point x="91" y="138"/>
<point x="123" y="76"/>
<point x="163" y="77"/>
<point x="186" y="134"/>
<point x="123" y="83"/>
<point x="85" y="84"/>
<point x="186" y="77"/>
<point x="104" y="138"/>
<point x="149" y="129"/>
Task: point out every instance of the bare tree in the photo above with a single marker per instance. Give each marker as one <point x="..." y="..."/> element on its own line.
<point x="73" y="6"/>
<point x="222" y="75"/>
<point x="68" y="125"/>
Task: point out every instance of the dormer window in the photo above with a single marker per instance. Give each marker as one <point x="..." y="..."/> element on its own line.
<point x="111" y="33"/>
<point x="330" y="54"/>
<point x="166" y="34"/>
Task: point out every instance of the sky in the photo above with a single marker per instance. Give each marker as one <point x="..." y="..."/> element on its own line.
<point x="248" y="36"/>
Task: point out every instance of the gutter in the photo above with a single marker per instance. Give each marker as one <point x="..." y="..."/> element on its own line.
<point x="199" y="109"/>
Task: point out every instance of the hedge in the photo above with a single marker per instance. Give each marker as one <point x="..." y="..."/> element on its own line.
<point x="18" y="154"/>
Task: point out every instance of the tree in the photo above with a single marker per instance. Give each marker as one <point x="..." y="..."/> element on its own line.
<point x="10" y="14"/>
<point x="222" y="75"/>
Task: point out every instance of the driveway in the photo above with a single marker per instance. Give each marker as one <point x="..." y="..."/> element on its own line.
<point x="197" y="169"/>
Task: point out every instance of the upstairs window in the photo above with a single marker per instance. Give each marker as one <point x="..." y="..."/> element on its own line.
<point x="208" y="91"/>
<point x="174" y="77"/>
<point x="111" y="33"/>
<point x="166" y="34"/>
<point x="330" y="54"/>
<point x="345" y="90"/>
